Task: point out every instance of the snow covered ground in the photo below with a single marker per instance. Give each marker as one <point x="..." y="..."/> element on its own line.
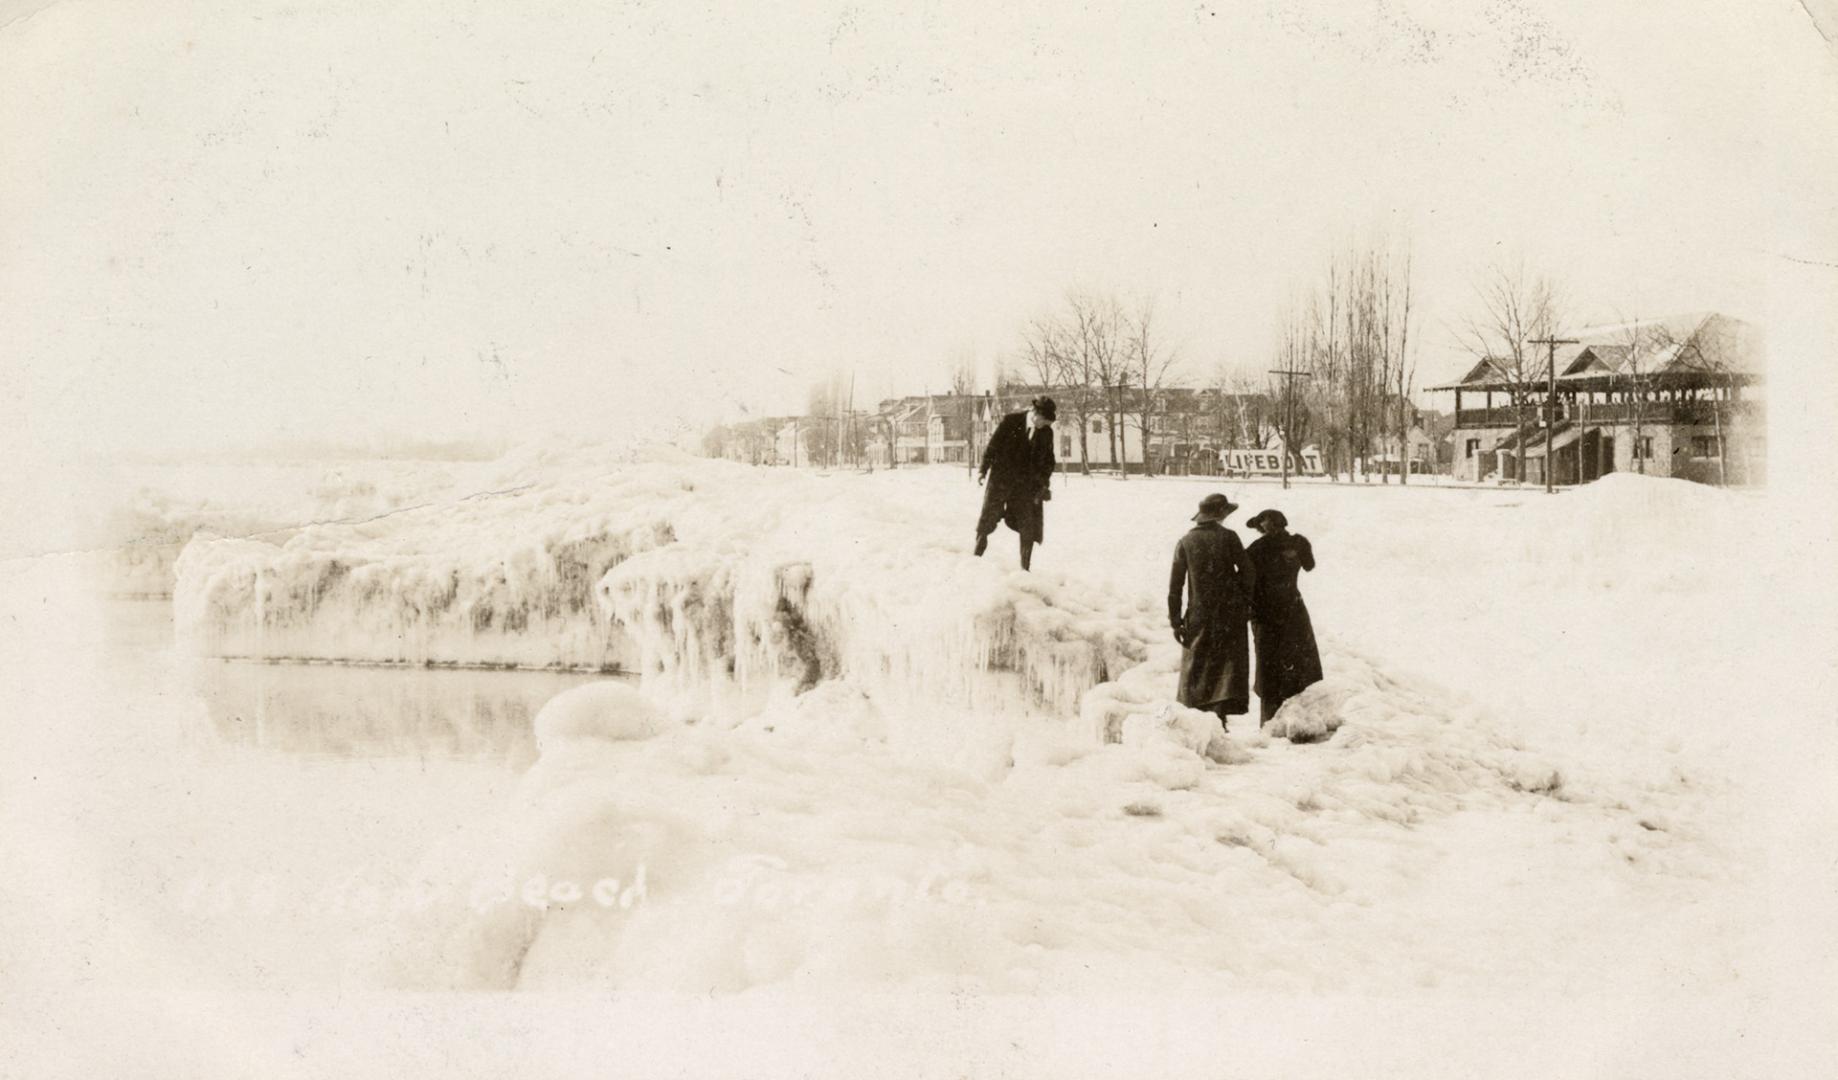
<point x="858" y="759"/>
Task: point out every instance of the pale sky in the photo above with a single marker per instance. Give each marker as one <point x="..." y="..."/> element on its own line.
<point x="231" y="222"/>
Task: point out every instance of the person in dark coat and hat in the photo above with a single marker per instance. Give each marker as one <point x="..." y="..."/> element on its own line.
<point x="1287" y="660"/>
<point x="1211" y="567"/>
<point x="1018" y="465"/>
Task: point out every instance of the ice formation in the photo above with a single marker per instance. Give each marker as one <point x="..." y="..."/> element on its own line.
<point x="719" y="585"/>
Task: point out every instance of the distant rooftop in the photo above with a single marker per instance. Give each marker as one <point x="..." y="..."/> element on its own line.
<point x="1670" y="349"/>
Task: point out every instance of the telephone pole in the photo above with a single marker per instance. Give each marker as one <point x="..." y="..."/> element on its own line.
<point x="1289" y="413"/>
<point x="1550" y="407"/>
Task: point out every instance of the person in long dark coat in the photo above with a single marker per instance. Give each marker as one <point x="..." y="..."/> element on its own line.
<point x="1018" y="465"/>
<point x="1287" y="660"/>
<point x="1211" y="567"/>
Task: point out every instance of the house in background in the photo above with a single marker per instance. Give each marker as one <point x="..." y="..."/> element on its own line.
<point x="1188" y="428"/>
<point x="1672" y="397"/>
<point x="1104" y="448"/>
<point x="754" y="442"/>
<point x="1426" y="442"/>
<point x="791" y="444"/>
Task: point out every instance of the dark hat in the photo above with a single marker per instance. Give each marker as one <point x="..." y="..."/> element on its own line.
<point x="1045" y="407"/>
<point x="1275" y="517"/>
<point x="1215" y="507"/>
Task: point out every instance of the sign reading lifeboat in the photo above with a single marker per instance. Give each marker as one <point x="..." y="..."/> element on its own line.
<point x="1262" y="462"/>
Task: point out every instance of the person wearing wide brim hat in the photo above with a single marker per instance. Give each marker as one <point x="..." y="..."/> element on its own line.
<point x="1215" y="507"/>
<point x="1213" y="571"/>
<point x="1018" y="465"/>
<point x="1288" y="660"/>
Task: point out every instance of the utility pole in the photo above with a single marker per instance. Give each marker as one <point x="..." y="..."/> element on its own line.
<point x="928" y="425"/>
<point x="1289" y="413"/>
<point x="1550" y="407"/>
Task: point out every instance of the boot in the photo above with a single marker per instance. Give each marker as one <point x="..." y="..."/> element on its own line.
<point x="1027" y="554"/>
<point x="982" y="542"/>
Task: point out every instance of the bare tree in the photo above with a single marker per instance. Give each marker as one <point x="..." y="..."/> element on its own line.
<point x="1242" y="402"/>
<point x="1149" y="366"/>
<point x="963" y="403"/>
<point x="829" y="436"/>
<point x="1079" y="354"/>
<point x="1718" y="349"/>
<point x="1630" y="369"/>
<point x="1372" y="391"/>
<point x="1046" y="349"/>
<point x="1364" y="355"/>
<point x="1250" y="405"/>
<point x="1296" y="355"/>
<point x="1396" y="366"/>
<point x="1512" y="309"/>
<point x="1404" y="367"/>
<point x="1323" y="354"/>
<point x="1644" y="349"/>
<point x="1095" y="365"/>
<point x="1351" y="334"/>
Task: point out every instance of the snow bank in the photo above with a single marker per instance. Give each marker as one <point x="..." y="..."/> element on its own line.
<point x="604" y="710"/>
<point x="801" y="849"/>
<point x="1627" y="532"/>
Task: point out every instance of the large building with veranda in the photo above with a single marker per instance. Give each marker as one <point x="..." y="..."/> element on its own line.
<point x="1679" y="396"/>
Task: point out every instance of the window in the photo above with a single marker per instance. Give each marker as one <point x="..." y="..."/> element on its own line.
<point x="1703" y="446"/>
<point x="1065" y="446"/>
<point x="1473" y="447"/>
<point x="1643" y="447"/>
<point x="1097" y="426"/>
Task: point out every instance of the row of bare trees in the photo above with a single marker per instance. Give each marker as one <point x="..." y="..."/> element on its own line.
<point x="1344" y="370"/>
<point x="1342" y="377"/>
<point x="833" y="434"/>
<point x="1099" y="357"/>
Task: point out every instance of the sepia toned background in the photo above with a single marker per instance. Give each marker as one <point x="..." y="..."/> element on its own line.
<point x="231" y="227"/>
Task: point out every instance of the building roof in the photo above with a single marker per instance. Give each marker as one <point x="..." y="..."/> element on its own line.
<point x="1679" y="346"/>
<point x="1495" y="373"/>
<point x="904" y="413"/>
<point x="1672" y="349"/>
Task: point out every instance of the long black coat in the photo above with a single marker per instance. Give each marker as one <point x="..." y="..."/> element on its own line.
<point x="1211" y="567"/>
<point x="1018" y="465"/>
<point x="1287" y="659"/>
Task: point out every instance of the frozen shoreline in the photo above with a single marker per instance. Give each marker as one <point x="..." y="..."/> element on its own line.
<point x="1473" y="824"/>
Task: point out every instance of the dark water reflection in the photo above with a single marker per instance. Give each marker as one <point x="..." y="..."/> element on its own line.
<point x="365" y="712"/>
<point x="347" y="712"/>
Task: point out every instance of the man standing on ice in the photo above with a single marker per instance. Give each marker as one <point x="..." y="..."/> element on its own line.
<point x="1020" y="454"/>
<point x="1210" y="564"/>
